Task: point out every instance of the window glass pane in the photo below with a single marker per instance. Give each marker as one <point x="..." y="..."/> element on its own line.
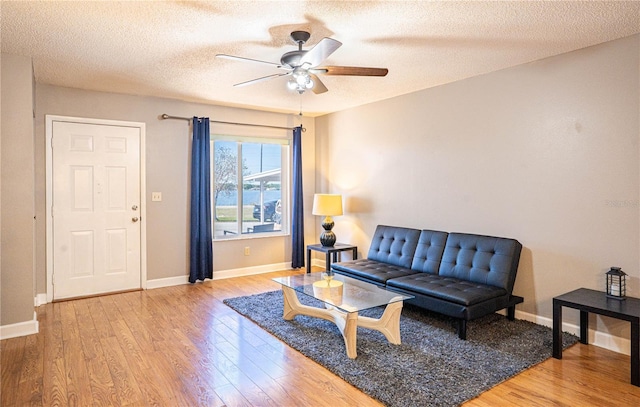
<point x="261" y="188"/>
<point x="225" y="188"/>
<point x="248" y="192"/>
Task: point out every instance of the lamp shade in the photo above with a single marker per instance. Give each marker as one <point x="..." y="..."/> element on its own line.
<point x="327" y="204"/>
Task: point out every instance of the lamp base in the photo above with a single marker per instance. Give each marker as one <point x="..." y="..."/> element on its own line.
<point x="327" y="238"/>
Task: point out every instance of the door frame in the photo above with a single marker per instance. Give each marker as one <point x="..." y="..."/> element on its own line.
<point x="49" y="119"/>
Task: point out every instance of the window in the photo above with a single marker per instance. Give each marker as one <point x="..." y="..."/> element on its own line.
<point x="250" y="186"/>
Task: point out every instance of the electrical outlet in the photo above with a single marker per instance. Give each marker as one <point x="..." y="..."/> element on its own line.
<point x="156" y="196"/>
<point x="247" y="251"/>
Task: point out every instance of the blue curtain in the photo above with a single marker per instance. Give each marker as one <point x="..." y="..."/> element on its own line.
<point x="297" y="211"/>
<point x="200" y="244"/>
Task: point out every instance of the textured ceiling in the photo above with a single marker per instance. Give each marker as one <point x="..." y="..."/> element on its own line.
<point x="167" y="48"/>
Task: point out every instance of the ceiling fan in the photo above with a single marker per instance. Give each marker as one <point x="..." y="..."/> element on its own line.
<point x="304" y="65"/>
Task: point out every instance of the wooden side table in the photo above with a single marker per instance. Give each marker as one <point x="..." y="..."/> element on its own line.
<point x="330" y="251"/>
<point x="597" y="302"/>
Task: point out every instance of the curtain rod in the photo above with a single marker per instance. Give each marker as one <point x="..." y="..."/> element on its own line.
<point x="166" y="116"/>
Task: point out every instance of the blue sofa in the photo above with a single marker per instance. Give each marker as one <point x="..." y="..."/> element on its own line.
<point x="461" y="275"/>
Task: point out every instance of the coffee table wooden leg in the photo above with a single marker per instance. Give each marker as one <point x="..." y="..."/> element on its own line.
<point x="388" y="323"/>
<point x="350" y="334"/>
<point x="291" y="304"/>
<point x="347" y="322"/>
<point x="293" y="307"/>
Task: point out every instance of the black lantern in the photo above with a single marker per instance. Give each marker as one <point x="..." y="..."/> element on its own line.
<point x="616" y="285"/>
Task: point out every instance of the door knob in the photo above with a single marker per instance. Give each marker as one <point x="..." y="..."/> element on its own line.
<point x="134" y="219"/>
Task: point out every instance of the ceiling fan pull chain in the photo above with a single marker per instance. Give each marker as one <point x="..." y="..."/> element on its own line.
<point x="300" y="114"/>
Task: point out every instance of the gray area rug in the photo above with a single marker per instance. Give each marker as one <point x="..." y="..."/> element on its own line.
<point x="432" y="367"/>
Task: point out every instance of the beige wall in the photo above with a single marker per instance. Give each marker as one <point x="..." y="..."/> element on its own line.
<point x="546" y="153"/>
<point x="167" y="171"/>
<point x="17" y="181"/>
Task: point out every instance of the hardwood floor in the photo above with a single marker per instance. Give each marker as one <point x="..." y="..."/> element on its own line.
<point x="181" y="346"/>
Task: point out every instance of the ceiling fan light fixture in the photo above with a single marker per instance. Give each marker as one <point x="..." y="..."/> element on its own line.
<point x="292" y="84"/>
<point x="309" y="83"/>
<point x="300" y="82"/>
<point x="301" y="78"/>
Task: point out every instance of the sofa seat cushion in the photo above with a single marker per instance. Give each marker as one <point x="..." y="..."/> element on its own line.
<point x="371" y="270"/>
<point x="447" y="288"/>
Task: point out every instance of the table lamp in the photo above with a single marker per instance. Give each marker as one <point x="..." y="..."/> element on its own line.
<point x="327" y="205"/>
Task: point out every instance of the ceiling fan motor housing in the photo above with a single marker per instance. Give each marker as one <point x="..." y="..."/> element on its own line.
<point x="292" y="58"/>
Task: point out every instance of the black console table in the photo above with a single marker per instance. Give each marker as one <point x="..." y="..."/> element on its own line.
<point x="330" y="251"/>
<point x="597" y="302"/>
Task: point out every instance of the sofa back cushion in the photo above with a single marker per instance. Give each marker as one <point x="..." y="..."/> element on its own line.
<point x="481" y="259"/>
<point x="429" y="251"/>
<point x="394" y="245"/>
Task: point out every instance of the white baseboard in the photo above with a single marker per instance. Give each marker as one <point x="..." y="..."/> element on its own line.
<point x="249" y="271"/>
<point x="597" y="338"/>
<point x="40" y="299"/>
<point x="167" y="282"/>
<point x="219" y="275"/>
<point x="20" y="329"/>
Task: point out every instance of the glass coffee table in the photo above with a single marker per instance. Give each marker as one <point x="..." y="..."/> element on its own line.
<point x="343" y="297"/>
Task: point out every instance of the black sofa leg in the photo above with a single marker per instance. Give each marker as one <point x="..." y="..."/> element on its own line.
<point x="511" y="313"/>
<point x="462" y="329"/>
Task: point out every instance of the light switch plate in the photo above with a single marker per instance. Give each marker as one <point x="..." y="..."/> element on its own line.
<point x="156" y="196"/>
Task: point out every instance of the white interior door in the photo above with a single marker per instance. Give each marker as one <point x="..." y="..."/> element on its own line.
<point x="96" y="217"/>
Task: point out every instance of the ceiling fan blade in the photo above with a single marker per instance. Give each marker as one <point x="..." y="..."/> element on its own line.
<point x="243" y="59"/>
<point x="350" y="71"/>
<point x="264" y="78"/>
<point x="318" y="86"/>
<point x="320" y="52"/>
